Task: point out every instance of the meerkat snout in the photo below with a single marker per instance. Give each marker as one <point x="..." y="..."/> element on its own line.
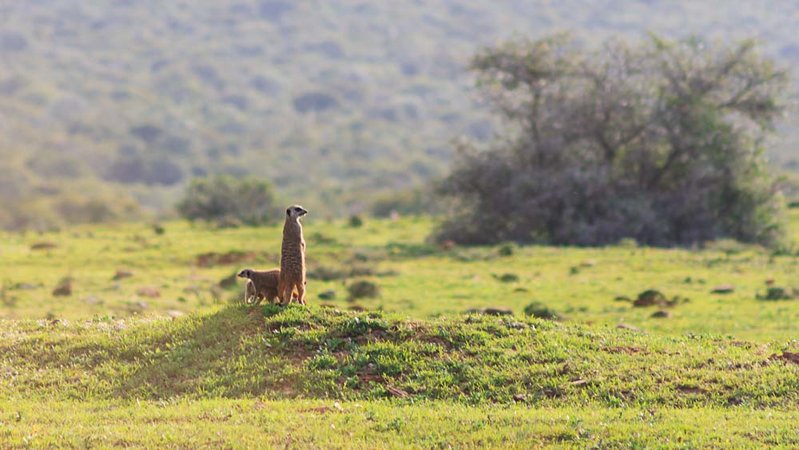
<point x="296" y="211"/>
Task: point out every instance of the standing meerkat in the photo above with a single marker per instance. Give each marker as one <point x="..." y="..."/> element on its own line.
<point x="261" y="285"/>
<point x="292" y="257"/>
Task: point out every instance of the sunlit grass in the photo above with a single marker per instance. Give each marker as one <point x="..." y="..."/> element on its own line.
<point x="414" y="277"/>
<point x="114" y="364"/>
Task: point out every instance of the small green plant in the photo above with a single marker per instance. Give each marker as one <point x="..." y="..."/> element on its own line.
<point x="541" y="311"/>
<point x="507" y="277"/>
<point x="8" y="300"/>
<point x="774" y="293"/>
<point x="356" y="221"/>
<point x="363" y="289"/>
<point x="506" y="250"/>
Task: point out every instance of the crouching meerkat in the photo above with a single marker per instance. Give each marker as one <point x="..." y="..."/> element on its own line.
<point x="292" y="257"/>
<point x="261" y="285"/>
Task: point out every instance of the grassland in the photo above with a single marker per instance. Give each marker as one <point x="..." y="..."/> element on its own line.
<point x="162" y="356"/>
<point x="319" y="424"/>
<point x="179" y="271"/>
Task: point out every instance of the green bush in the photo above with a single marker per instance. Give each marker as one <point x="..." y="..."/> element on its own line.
<point x="225" y="199"/>
<point x="540" y="311"/>
<point x="356" y="221"/>
<point x="363" y="289"/>
<point x="659" y="143"/>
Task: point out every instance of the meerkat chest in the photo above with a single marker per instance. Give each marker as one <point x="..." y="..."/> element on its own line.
<point x="292" y="256"/>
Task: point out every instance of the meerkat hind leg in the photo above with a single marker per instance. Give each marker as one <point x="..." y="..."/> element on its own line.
<point x="249" y="292"/>
<point x="300" y="293"/>
<point x="258" y="299"/>
<point x="285" y="298"/>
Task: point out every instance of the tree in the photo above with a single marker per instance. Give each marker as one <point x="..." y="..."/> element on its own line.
<point x="225" y="198"/>
<point x="661" y="143"/>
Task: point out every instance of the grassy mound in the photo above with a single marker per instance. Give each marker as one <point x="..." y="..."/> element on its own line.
<point x="296" y="352"/>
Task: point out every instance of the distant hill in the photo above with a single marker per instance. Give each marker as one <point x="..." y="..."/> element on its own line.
<point x="108" y="108"/>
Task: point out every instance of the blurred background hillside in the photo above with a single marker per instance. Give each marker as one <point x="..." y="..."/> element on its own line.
<point x="109" y="108"/>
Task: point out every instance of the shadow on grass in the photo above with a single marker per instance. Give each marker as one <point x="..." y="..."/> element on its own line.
<point x="217" y="355"/>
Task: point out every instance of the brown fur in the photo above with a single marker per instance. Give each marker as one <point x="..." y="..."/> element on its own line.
<point x="261" y="285"/>
<point x="292" y="257"/>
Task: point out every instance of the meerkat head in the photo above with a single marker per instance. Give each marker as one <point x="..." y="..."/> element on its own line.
<point x="246" y="273"/>
<point x="296" y="211"/>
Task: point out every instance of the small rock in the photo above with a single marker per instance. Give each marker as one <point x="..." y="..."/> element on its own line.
<point x="64" y="288"/>
<point x="122" y="274"/>
<point x="723" y="289"/>
<point x="519" y="398"/>
<point x="136" y="307"/>
<point x="516" y="325"/>
<point x="193" y="289"/>
<point x="396" y="392"/>
<point x="691" y="389"/>
<point x="661" y="315"/>
<point x="491" y="311"/>
<point x="327" y="295"/>
<point x="148" y="291"/>
<point x="448" y="245"/>
<point x="625" y="326"/>
<point x="93" y="300"/>
<point x="174" y="313"/>
<point x="789" y="357"/>
<point x="43" y="245"/>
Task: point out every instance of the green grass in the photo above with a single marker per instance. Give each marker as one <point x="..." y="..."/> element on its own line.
<point x="96" y="368"/>
<point x="298" y="352"/>
<point x="414" y="278"/>
<point x="322" y="377"/>
<point x="320" y="424"/>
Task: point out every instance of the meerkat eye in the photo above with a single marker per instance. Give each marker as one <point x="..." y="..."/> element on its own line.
<point x="288" y="211"/>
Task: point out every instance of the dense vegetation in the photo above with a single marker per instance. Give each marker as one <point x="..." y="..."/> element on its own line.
<point x="108" y="109"/>
<point x="227" y="200"/>
<point x="660" y="142"/>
